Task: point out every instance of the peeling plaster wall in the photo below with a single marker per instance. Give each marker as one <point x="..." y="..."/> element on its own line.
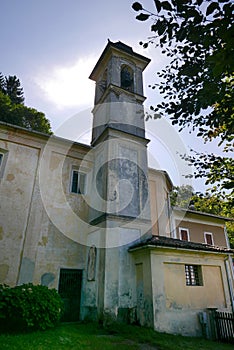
<point x="57" y="252"/>
<point x="16" y="187"/>
<point x="144" y="290"/>
<point x="176" y="306"/>
<point x="163" y="299"/>
<point x="33" y="246"/>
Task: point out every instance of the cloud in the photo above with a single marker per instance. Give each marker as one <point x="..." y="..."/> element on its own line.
<point x="69" y="86"/>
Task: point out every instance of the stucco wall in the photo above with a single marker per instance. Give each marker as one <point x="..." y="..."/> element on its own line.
<point x="196" y="231"/>
<point x="144" y="288"/>
<point x="176" y="306"/>
<point x="159" y="188"/>
<point x="16" y="188"/>
<point x="32" y="244"/>
<point x="179" y="296"/>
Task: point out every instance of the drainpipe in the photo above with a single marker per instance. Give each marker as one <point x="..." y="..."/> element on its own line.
<point x="229" y="278"/>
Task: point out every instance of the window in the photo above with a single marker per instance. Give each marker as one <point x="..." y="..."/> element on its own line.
<point x="193" y="275"/>
<point x="127" y="78"/>
<point x="209" y="238"/>
<point x="184" y="234"/>
<point x="78" y="182"/>
<point x="3" y="159"/>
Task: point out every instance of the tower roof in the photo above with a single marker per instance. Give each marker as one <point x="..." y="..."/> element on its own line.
<point x="119" y="46"/>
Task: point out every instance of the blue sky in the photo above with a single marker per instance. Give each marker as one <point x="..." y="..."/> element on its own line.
<point x="52" y="46"/>
<point x="47" y="42"/>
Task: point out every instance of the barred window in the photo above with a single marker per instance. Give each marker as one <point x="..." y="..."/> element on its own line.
<point x="193" y="275"/>
<point x="78" y="182"/>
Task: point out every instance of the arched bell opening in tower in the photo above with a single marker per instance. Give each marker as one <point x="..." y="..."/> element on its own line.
<point x="127" y="81"/>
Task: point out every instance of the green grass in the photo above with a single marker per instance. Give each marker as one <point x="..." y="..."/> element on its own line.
<point x="90" y="336"/>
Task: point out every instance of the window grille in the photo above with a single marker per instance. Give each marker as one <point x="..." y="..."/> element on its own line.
<point x="193" y="275"/>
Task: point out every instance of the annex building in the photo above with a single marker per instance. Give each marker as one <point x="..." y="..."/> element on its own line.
<point x="95" y="222"/>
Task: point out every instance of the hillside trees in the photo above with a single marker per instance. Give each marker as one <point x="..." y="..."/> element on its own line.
<point x="197" y="85"/>
<point x="13" y="110"/>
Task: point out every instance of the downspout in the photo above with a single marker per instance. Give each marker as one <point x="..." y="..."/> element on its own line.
<point x="229" y="278"/>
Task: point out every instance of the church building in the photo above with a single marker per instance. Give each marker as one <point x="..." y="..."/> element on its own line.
<point x="95" y="222"/>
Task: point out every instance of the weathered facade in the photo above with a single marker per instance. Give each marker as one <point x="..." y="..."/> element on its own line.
<point x="96" y="223"/>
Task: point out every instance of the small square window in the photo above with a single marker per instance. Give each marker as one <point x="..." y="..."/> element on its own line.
<point x="1" y="159"/>
<point x="193" y="275"/>
<point x="209" y="238"/>
<point x="184" y="234"/>
<point x="78" y="182"/>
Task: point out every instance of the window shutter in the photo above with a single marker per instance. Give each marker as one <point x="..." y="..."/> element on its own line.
<point x="81" y="183"/>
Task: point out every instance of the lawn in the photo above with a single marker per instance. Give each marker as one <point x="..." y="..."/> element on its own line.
<point x="90" y="336"/>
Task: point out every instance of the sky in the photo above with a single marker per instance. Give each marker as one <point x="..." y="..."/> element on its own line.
<point x="52" y="47"/>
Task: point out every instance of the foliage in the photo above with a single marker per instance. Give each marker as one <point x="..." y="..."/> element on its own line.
<point x="13" y="110"/>
<point x="91" y="336"/>
<point x="29" y="306"/>
<point x="218" y="172"/>
<point x="197" y="85"/>
<point x="26" y="117"/>
<point x="12" y="88"/>
<point x="2" y="82"/>
<point x="181" y="196"/>
<point x="185" y="197"/>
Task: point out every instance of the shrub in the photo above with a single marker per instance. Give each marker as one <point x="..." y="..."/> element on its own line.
<point x="29" y="307"/>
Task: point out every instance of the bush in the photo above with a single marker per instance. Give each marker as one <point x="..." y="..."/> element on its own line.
<point x="29" y="307"/>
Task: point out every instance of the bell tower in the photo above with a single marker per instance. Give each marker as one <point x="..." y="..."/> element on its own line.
<point x="118" y="77"/>
<point x="119" y="206"/>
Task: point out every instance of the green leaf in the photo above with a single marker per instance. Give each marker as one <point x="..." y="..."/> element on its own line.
<point x="142" y="17"/>
<point x="154" y="27"/>
<point x="137" y="6"/>
<point x="211" y="8"/>
<point x="158" y="5"/>
<point x="166" y="6"/>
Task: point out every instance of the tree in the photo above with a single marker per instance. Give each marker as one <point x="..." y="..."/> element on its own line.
<point x="181" y="196"/>
<point x="14" y="90"/>
<point x="198" y="84"/>
<point x="18" y="114"/>
<point x="2" y="82"/>
<point x="11" y="87"/>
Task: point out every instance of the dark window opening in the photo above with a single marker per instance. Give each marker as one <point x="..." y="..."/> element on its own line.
<point x="127" y="81"/>
<point x="78" y="182"/>
<point x="209" y="239"/>
<point x="184" y="234"/>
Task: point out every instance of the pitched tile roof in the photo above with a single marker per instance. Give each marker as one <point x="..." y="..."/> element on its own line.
<point x="161" y="241"/>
